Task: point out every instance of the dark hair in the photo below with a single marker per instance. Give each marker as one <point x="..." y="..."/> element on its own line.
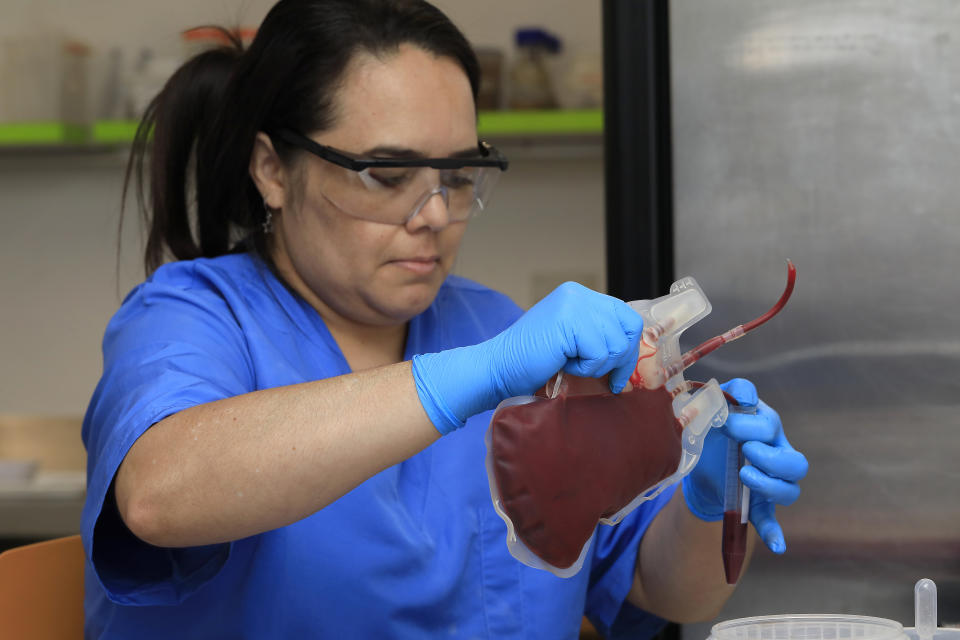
<point x="198" y="132"/>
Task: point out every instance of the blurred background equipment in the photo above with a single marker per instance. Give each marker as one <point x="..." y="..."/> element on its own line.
<point x="43" y="84"/>
<point x="531" y="80"/>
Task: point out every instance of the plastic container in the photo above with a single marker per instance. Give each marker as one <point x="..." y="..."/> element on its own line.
<point x="809" y="627"/>
<point x="43" y="78"/>
<point x="579" y="81"/>
<point x="490" y="94"/>
<point x="146" y="79"/>
<point x="531" y="86"/>
<point x="841" y="627"/>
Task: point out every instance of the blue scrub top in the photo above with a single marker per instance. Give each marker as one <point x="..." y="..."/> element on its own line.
<point x="417" y="551"/>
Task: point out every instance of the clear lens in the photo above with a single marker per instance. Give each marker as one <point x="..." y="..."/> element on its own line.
<point x="393" y="195"/>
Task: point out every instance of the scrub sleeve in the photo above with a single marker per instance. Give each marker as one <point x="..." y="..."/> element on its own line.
<point x="167" y="349"/>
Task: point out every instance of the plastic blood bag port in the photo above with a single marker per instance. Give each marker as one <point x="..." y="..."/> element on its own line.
<point x="575" y="454"/>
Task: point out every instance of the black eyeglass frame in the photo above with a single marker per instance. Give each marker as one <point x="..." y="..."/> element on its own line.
<point x="490" y="156"/>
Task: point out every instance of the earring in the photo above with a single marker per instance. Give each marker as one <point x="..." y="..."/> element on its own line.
<point x="267" y="224"/>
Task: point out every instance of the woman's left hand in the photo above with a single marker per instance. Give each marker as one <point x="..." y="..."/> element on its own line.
<point x="774" y="470"/>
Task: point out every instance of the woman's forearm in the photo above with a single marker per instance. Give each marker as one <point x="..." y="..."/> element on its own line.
<point x="243" y="465"/>
<point x="679" y="574"/>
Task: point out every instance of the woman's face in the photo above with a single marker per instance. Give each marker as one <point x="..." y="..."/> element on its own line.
<point x="365" y="272"/>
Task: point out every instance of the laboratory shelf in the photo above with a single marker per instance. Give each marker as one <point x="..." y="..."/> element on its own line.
<point x="540" y="123"/>
<point x="42" y="134"/>
<point x="531" y="127"/>
<point x="113" y="131"/>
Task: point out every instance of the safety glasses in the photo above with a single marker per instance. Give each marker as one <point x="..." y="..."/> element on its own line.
<point x="394" y="190"/>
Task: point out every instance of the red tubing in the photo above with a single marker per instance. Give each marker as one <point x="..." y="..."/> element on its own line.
<point x="775" y="309"/>
<point x="713" y="343"/>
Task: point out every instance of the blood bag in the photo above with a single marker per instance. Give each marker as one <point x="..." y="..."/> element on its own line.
<point x="574" y="454"/>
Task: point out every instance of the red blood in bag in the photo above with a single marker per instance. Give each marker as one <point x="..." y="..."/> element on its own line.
<point x="561" y="464"/>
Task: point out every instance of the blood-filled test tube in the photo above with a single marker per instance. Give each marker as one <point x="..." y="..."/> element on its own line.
<point x="736" y="507"/>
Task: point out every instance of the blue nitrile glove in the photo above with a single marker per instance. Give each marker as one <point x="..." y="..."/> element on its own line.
<point x="772" y="478"/>
<point x="580" y="331"/>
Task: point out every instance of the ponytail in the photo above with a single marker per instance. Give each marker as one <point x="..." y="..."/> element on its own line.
<point x="176" y="124"/>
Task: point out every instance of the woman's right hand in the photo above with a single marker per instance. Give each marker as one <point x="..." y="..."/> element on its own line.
<point x="573" y="329"/>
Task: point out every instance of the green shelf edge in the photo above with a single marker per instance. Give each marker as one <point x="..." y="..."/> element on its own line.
<point x="543" y="123"/>
<point x="23" y="134"/>
<point x="114" y="131"/>
<point x="489" y="123"/>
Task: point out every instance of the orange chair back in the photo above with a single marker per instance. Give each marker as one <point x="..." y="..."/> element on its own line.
<point x="41" y="591"/>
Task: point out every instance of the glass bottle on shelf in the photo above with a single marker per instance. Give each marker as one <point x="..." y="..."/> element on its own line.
<point x="531" y="86"/>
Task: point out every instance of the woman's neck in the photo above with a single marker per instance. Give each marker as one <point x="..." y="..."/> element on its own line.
<point x="364" y="346"/>
<point x="369" y="347"/>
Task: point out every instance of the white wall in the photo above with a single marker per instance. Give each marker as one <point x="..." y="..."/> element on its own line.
<point x="58" y="212"/>
<point x="137" y="23"/>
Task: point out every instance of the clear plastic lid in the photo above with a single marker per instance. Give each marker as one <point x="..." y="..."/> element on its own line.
<point x="809" y="627"/>
<point x="842" y="627"/>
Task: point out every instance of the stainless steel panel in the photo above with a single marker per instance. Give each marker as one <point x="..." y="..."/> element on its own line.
<point x="829" y="133"/>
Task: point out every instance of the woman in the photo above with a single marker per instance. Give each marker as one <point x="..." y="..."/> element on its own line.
<point x="264" y="458"/>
